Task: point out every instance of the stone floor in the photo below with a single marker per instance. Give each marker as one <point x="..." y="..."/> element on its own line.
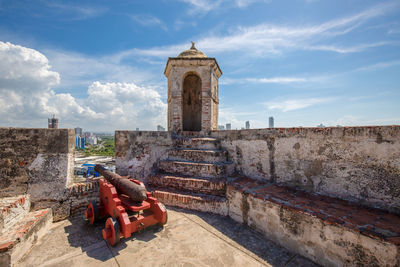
<point x="188" y="239"/>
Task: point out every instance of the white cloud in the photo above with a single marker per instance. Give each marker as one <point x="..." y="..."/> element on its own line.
<point x="180" y="24"/>
<point x="205" y="6"/>
<point x="27" y="97"/>
<point x="73" y="11"/>
<point x="126" y="105"/>
<point x="25" y="82"/>
<point x="245" y="3"/>
<point x="294" y="104"/>
<point x="350" y="120"/>
<point x="393" y="31"/>
<point x="237" y="119"/>
<point x="79" y="70"/>
<point x="149" y="21"/>
<point x="267" y="39"/>
<point x="278" y="80"/>
<point x="379" y="65"/>
<point x="349" y="49"/>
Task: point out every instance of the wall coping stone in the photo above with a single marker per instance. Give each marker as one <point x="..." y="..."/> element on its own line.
<point x="371" y="222"/>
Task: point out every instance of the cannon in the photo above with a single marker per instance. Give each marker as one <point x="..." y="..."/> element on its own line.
<point x="127" y="204"/>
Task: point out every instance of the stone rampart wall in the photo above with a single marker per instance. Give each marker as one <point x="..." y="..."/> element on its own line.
<point x="137" y="152"/>
<point x="38" y="162"/>
<point x="360" y="164"/>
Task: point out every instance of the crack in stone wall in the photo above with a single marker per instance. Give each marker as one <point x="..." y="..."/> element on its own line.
<point x="271" y="147"/>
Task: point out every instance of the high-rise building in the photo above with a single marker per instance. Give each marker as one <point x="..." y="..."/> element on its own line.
<point x="271" y="122"/>
<point x="221" y="127"/>
<point x="321" y="126"/>
<point x="228" y="126"/>
<point x="247" y="125"/>
<point x="160" y="128"/>
<point x="53" y="122"/>
<point x="79" y="142"/>
<point x="137" y="129"/>
<point x="78" y="131"/>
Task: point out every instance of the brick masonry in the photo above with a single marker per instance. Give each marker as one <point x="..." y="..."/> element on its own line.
<point x="13" y="209"/>
<point x="80" y="196"/>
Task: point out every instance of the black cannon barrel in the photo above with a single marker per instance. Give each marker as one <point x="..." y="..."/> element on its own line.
<point x="123" y="185"/>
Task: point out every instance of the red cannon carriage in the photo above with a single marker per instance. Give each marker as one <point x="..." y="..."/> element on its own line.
<point x="128" y="205"/>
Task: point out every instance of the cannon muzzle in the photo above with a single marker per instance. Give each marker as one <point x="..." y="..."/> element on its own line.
<point x="124" y="186"/>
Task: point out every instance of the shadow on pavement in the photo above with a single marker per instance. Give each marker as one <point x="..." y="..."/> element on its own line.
<point x="89" y="238"/>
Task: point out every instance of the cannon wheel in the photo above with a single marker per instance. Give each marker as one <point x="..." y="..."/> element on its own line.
<point x="112" y="232"/>
<point x="92" y="212"/>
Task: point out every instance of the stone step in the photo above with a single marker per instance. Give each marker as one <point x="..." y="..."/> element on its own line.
<point x="192" y="134"/>
<point x="12" y="210"/>
<point x="212" y="186"/>
<point x="25" y="233"/>
<point x="198" y="169"/>
<point x="197" y="143"/>
<point x="200" y="202"/>
<point x="198" y="155"/>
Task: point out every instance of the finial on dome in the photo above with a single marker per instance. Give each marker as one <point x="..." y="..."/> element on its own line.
<point x="193" y="47"/>
<point x="191" y="53"/>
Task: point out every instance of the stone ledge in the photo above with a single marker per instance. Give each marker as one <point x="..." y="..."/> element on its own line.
<point x="18" y="240"/>
<point x="198" y="155"/>
<point x="213" y="186"/>
<point x="200" y="202"/>
<point x="327" y="230"/>
<point x="196" y="142"/>
<point x="368" y="221"/>
<point x="196" y="169"/>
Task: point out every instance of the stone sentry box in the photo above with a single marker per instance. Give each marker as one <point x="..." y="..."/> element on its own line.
<point x="192" y="91"/>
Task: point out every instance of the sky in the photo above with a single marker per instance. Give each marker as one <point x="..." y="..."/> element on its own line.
<point x="100" y="64"/>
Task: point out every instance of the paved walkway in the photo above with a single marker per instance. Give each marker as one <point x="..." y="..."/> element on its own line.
<point x="188" y="239"/>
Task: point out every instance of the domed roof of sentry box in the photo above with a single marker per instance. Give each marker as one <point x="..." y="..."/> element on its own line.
<point x="192" y="53"/>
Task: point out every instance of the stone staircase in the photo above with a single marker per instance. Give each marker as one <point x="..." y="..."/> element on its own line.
<point x="20" y="228"/>
<point x="194" y="174"/>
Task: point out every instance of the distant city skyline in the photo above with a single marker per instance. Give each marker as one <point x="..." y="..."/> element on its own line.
<point x="101" y="64"/>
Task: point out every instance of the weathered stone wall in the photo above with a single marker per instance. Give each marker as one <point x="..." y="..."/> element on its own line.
<point x="137" y="152"/>
<point x="306" y="229"/>
<point x="361" y="164"/>
<point x="208" y="71"/>
<point x="38" y="162"/>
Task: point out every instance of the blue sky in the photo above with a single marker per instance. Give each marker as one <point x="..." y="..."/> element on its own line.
<point x="100" y="65"/>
